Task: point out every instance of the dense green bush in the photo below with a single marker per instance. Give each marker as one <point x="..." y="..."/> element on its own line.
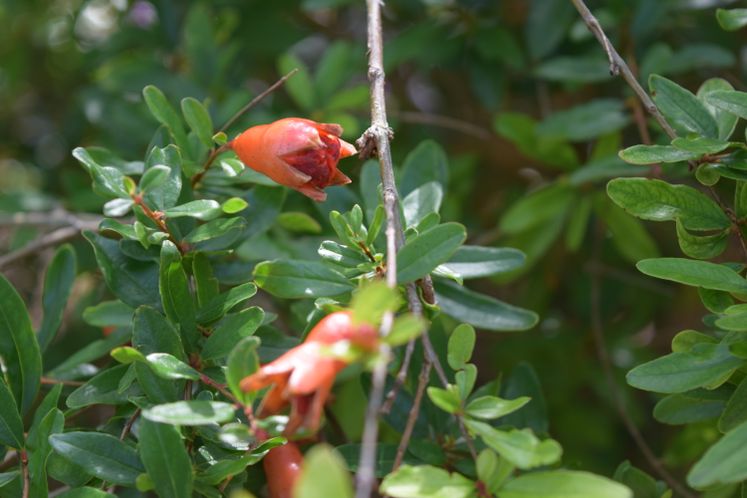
<point x="125" y="337"/>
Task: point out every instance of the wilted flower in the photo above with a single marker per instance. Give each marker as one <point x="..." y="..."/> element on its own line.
<point x="304" y="375"/>
<point x="295" y="152"/>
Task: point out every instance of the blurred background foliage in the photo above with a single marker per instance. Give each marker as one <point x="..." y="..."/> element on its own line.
<point x="516" y="92"/>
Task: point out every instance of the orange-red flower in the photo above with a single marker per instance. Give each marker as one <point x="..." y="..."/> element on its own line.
<point x="296" y="152"/>
<point x="303" y="376"/>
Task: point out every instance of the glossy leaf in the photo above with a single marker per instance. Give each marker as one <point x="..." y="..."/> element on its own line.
<point x="223" y="303"/>
<point x="242" y="361"/>
<point x="58" y="283"/>
<point x="697" y="273"/>
<point x="299" y="279"/>
<point x="230" y="331"/>
<point x="190" y="412"/>
<point x="202" y="209"/>
<point x="165" y="459"/>
<point x="683" y="110"/>
<point x="476" y="261"/>
<point x="563" y="484"/>
<point x="198" y="119"/>
<point x="423" y="253"/>
<point x="167" y="366"/>
<point x="11" y="425"/>
<point x="422" y="201"/>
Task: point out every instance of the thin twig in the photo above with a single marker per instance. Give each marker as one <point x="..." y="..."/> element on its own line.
<point x="159" y="219"/>
<point x="597" y="330"/>
<point x="48" y="240"/>
<point x="128" y="425"/>
<point x="214" y="153"/>
<point x="444" y="122"/>
<point x="54" y="218"/>
<point x="25" y="474"/>
<point x="399" y="380"/>
<point x="376" y="138"/>
<point x="425" y="373"/>
<point x="220" y="388"/>
<point x="257" y="99"/>
<point x="50" y="381"/>
<point x="619" y="66"/>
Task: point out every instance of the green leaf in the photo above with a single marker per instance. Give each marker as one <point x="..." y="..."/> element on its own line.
<point x="167" y="366"/>
<point x="300" y="222"/>
<point x="22" y="363"/>
<point x="425" y="163"/>
<point x="100" y="455"/>
<point x="446" y="399"/>
<point x="127" y="355"/>
<point x="323" y="460"/>
<point x="198" y="119"/>
<point x="582" y="69"/>
<point x="521" y="130"/>
<point x="731" y="19"/>
<point x="155" y="176"/>
<point x="166" y="460"/>
<point x="234" y="205"/>
<point x="700" y="145"/>
<point x="406" y="328"/>
<point x="537" y="208"/>
<point x="242" y="361"/>
<point x="547" y="26"/>
<point x="86" y="492"/>
<point x="701" y="247"/>
<point x="90" y="352"/>
<point x="176" y="297"/>
<point x="491" y="407"/>
<point x="371" y="301"/>
<point x="628" y="234"/>
<point x="690" y="407"/>
<point x="152" y="333"/>
<point x="422" y="201"/>
<point x="202" y="209"/>
<point x="652" y="154"/>
<point x="520" y="447"/>
<point x="481" y="310"/>
<point x="58" y="282"/>
<point x="425" y="481"/>
<point x="206" y="285"/>
<point x="230" y="331"/>
<point x="697" y="273"/>
<point x="107" y="181"/>
<point x="703" y="366"/>
<point x="475" y="261"/>
<point x="725" y="462"/>
<point x="586" y="121"/>
<point x="165" y="195"/>
<point x="681" y="108"/>
<point x="300" y="87"/>
<point x="108" y="314"/>
<point x="223" y="303"/>
<point x="165" y="114"/>
<point x="11" y="425"/>
<point x="190" y="412"/>
<point x="659" y="201"/>
<point x="223" y="469"/>
<point x="730" y="101"/>
<point x="563" y="484"/>
<point x="726" y="121"/>
<point x="735" y="412"/>
<point x="461" y="344"/>
<point x="300" y="279"/>
<point x="424" y="252"/>
<point x="217" y="235"/>
<point x="103" y="389"/>
<point x="133" y="282"/>
<point x="39" y="449"/>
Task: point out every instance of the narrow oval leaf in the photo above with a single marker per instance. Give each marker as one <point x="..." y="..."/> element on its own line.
<point x="155" y="176"/>
<point x="482" y="311"/>
<point x="11" y="426"/>
<point x="198" y="119"/>
<point x="167" y="366"/>
<point x="476" y="261"/>
<point x="18" y="347"/>
<point x="100" y="455"/>
<point x="58" y="282"/>
<point x="323" y="460"/>
<point x="162" y="451"/>
<point x="683" y="109"/>
<point x="563" y="484"/>
<point x="652" y="154"/>
<point x="230" y="331"/>
<point x="697" y="273"/>
<point x="202" y="209"/>
<point x="725" y="462"/>
<point x="422" y="254"/>
<point x="300" y="279"/>
<point x="190" y="412"/>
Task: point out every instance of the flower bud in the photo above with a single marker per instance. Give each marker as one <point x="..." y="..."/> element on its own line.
<point x="296" y="152"/>
<point x="282" y="466"/>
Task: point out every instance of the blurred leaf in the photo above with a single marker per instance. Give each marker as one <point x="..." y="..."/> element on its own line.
<point x="58" y="283"/>
<point x="537" y="208"/>
<point x="21" y="358"/>
<point x="476" y="261"/>
<point x="628" y="234"/>
<point x="165" y="458"/>
<point x="735" y="411"/>
<point x="86" y="492"/>
<point x="165" y="114"/>
<point x="425" y="163"/>
<point x="547" y="25"/>
<point x="660" y="201"/>
<point x="323" y="460"/>
<point x="190" y="412"/>
<point x="683" y="110"/>
<point x="522" y="131"/>
<point x="299" y="279"/>
<point x="690" y="407"/>
<point x="731" y="19"/>
<point x="234" y="205"/>
<point x="460" y="347"/>
<point x="242" y="361"/>
<point x="576" y="69"/>
<point x="482" y="311"/>
<point x="563" y="483"/>
<point x="370" y="302"/>
<point x="491" y="407"/>
<point x="425" y="481"/>
<point x="725" y="462"/>
<point x="520" y="447"/>
<point x="703" y="366"/>
<point x="300" y="87"/>
<point x="424" y="252"/>
<point x="586" y="121"/>
<point x="100" y="455"/>
<point x="406" y="328"/>
<point x="297" y="221"/>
